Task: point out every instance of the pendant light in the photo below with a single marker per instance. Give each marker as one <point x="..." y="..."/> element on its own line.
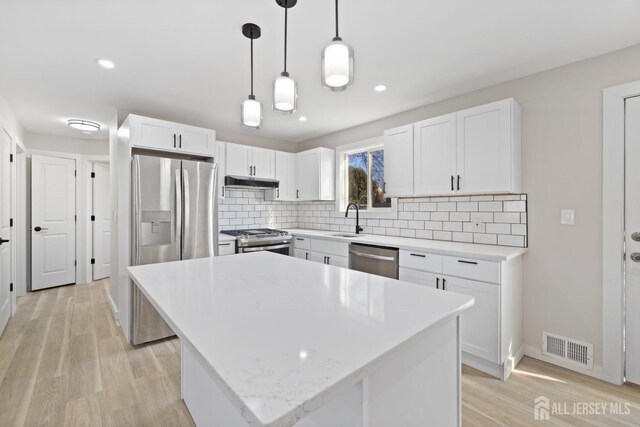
<point x="285" y="89"/>
<point x="337" y="63"/>
<point x="251" y="110"/>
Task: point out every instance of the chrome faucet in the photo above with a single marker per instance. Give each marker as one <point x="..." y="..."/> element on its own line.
<point x="346" y="214"/>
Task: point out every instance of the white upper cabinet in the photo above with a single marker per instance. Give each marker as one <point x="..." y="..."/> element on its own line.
<point x="435" y="155"/>
<point x="488" y="145"/>
<point x="474" y="151"/>
<point x="244" y="160"/>
<point x="264" y="163"/>
<point x="285" y="174"/>
<point x="163" y="135"/>
<point x="315" y="174"/>
<point x="195" y="140"/>
<point x="398" y="167"/>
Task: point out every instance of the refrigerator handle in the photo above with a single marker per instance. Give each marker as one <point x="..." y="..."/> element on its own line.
<point x="185" y="235"/>
<point x="178" y="209"/>
<point x="137" y="205"/>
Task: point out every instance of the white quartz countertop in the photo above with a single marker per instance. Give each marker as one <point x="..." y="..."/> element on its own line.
<point x="225" y="238"/>
<point x="471" y="250"/>
<point x="283" y="335"/>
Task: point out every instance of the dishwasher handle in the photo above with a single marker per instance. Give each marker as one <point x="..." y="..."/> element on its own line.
<point x="371" y="256"/>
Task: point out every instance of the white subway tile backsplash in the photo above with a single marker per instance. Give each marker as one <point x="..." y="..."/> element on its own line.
<point x="503" y="217"/>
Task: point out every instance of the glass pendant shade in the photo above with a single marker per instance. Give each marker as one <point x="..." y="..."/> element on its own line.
<point x="285" y="94"/>
<point x="337" y="65"/>
<point x="251" y="113"/>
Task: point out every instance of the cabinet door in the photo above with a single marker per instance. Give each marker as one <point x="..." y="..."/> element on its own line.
<point x="484" y="148"/>
<point x="434" y="158"/>
<point x="308" y="175"/>
<point x="418" y="277"/>
<point x="195" y="140"/>
<point x="398" y="167"/>
<point x="264" y="163"/>
<point x="338" y="261"/>
<point x="318" y="257"/>
<point x="480" y="325"/>
<point x="301" y="253"/>
<point x="154" y="134"/>
<point x="238" y="159"/>
<point x="285" y="173"/>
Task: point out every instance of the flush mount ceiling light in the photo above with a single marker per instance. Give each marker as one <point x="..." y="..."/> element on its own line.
<point x="285" y="89"/>
<point x="83" y="125"/>
<point x="337" y="63"/>
<point x="105" y="63"/>
<point x="380" y="88"/>
<point x="251" y="110"/>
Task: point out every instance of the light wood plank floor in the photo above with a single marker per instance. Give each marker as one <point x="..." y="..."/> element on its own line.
<point x="64" y="362"/>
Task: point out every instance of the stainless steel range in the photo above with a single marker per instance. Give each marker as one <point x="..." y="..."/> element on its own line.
<point x="261" y="239"/>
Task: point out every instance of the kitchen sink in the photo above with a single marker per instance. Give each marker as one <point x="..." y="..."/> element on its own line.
<point x="347" y="235"/>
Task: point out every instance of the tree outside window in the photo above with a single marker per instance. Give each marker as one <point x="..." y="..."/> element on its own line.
<point x="366" y="179"/>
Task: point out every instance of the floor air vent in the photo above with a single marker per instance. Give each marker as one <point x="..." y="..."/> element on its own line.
<point x="571" y="351"/>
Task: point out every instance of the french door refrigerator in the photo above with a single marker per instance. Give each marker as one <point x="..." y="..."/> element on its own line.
<point x="175" y="217"/>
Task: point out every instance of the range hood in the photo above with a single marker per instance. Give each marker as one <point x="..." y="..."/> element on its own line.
<point x="231" y="181"/>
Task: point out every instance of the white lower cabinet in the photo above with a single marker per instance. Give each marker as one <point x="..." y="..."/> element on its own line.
<point x="322" y="251"/>
<point x="491" y="330"/>
<point x="480" y="325"/>
<point x="302" y="254"/>
<point x="329" y="259"/>
<point x="226" y="248"/>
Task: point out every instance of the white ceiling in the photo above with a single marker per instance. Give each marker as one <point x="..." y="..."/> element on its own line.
<point x="188" y="61"/>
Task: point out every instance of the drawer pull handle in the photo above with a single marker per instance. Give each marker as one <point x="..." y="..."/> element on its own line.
<point x="419" y="255"/>
<point x="224" y="244"/>
<point x="467" y="262"/>
<point x="301" y="239"/>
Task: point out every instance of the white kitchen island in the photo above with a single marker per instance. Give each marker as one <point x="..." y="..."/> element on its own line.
<point x="270" y="340"/>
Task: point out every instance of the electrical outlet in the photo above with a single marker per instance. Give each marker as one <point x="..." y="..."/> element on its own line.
<point x="568" y="217"/>
<point x="477" y="224"/>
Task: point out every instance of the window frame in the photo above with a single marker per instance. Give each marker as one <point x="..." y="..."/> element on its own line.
<point x="342" y="173"/>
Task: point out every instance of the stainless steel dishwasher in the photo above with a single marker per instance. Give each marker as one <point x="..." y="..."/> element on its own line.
<point x="378" y="260"/>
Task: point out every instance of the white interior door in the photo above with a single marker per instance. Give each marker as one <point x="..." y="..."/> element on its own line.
<point x="53" y="210"/>
<point x="632" y="225"/>
<point x="5" y="230"/>
<point x="102" y="222"/>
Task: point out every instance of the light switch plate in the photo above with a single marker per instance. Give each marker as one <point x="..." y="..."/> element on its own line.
<point x="568" y="217"/>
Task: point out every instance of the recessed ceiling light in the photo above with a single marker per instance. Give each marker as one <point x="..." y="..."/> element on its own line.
<point x="105" y="63"/>
<point x="302" y="118"/>
<point x="380" y="88"/>
<point x="83" y="125"/>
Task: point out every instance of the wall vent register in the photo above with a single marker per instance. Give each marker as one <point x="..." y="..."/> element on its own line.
<point x="574" y="352"/>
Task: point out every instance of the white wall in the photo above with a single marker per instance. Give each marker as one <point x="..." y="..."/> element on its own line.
<point x="562" y="168"/>
<point x="38" y="141"/>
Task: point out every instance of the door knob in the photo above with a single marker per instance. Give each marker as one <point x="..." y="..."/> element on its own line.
<point x="635" y="237"/>
<point x="3" y="241"/>
<point x="635" y="257"/>
<point x="38" y="228"/>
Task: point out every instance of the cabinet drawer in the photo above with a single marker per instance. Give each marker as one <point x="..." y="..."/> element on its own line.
<point x="226" y="248"/>
<point x="330" y="247"/>
<point x="485" y="271"/>
<point x="418" y="277"/>
<point x="301" y="242"/>
<point x="421" y="261"/>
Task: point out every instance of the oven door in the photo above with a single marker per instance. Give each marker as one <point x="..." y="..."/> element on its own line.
<point x="280" y="248"/>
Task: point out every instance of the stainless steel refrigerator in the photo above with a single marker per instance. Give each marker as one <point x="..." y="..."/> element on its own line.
<point x="175" y="217"/>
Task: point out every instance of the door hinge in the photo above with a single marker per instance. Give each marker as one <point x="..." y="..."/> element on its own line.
<point x="10" y="158"/>
<point x="75" y="218"/>
<point x="93" y="174"/>
<point x="10" y="222"/>
<point x="75" y="263"/>
<point x="93" y="260"/>
<point x="93" y="217"/>
<point x="10" y="287"/>
<point x="75" y="172"/>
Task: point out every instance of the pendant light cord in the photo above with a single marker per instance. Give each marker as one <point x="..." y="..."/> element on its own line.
<point x="251" y="62"/>
<point x="285" y="35"/>
<point x="337" y="19"/>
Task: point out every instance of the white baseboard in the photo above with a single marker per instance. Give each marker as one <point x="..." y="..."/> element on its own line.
<point x="114" y="309"/>
<point x="536" y="353"/>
